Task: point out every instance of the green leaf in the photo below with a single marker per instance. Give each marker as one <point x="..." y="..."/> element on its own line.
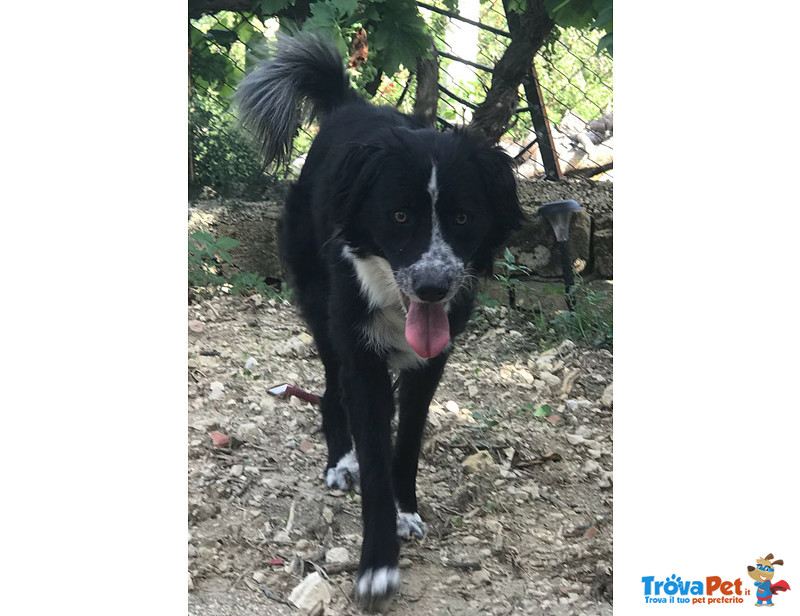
<point x="345" y="8"/>
<point x="203" y="237"/>
<point x="604" y="17"/>
<point x="543" y="411"/>
<point x="270" y="7"/>
<point x="399" y="39"/>
<point x="221" y="36"/>
<point x="323" y="19"/>
<point x="517" y="6"/>
<point x="607" y="43"/>
<point x="226" y="243"/>
<point x="508" y="256"/>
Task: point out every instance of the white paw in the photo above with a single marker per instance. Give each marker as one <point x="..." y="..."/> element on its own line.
<point x="345" y="475"/>
<point x="375" y="586"/>
<point x="410" y="523"/>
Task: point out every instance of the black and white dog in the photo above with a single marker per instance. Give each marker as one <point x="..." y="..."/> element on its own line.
<point x="382" y="238"/>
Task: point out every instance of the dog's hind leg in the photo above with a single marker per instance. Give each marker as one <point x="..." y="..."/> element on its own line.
<point x="309" y="280"/>
<point x="416" y="392"/>
<point x="341" y="471"/>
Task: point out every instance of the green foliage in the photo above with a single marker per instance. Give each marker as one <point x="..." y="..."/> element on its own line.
<point x="583" y="14"/>
<point x="510" y="272"/>
<point x="486" y="419"/>
<point x="591" y="320"/>
<point x="485" y="299"/>
<point x="225" y="155"/>
<point x="572" y="77"/>
<point x="206" y="256"/>
<point x="544" y="410"/>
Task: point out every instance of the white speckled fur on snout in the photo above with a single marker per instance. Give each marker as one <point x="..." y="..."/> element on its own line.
<point x="439" y="257"/>
<point x="346" y="474"/>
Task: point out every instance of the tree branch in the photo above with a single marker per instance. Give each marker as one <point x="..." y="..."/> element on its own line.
<point x="528" y="32"/>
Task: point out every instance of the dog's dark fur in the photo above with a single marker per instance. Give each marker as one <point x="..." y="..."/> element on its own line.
<point x="386" y="212"/>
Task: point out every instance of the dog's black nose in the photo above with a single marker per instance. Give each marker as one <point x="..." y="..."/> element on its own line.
<point x="431" y="292"/>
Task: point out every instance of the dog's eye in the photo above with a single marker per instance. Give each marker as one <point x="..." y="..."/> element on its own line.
<point x="461" y="219"/>
<point x="401" y="216"/>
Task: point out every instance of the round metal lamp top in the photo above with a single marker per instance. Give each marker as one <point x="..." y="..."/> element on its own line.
<point x="558" y="207"/>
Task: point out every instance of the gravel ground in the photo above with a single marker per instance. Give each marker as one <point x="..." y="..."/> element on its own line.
<point x="518" y="506"/>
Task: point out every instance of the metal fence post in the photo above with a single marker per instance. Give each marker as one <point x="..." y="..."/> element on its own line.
<point x="552" y="170"/>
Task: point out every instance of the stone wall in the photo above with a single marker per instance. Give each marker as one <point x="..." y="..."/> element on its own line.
<point x="254" y="224"/>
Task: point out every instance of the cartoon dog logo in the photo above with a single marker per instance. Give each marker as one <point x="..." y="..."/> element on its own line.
<point x="763" y="573"/>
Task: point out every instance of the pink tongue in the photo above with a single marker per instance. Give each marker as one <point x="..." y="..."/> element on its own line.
<point x="427" y="328"/>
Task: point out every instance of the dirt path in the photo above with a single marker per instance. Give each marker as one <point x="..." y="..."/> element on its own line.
<point x="528" y="531"/>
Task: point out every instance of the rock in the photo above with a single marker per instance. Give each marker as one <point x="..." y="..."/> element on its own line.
<point x="218" y="439"/>
<point x="306" y="446"/>
<point x="481" y="577"/>
<point x="470" y="540"/>
<point x="606" y="479"/>
<point x="566" y="347"/>
<point x="478" y="462"/>
<point x="249" y="433"/>
<point x="267" y="404"/>
<point x="259" y="577"/>
<point x="575" y="439"/>
<point x="217" y="390"/>
<point x="472" y="390"/>
<point x="550" y="379"/>
<point x="196" y="326"/>
<point x="337" y="555"/>
<point x="301" y="345"/>
<point x="237" y="470"/>
<point x="452" y="406"/>
<point x="535" y="244"/>
<point x="309" y="594"/>
<point x="603" y="246"/>
<point x="607" y="398"/>
<point x="532" y="489"/>
<point x="250" y="364"/>
<point x="191" y="582"/>
<point x="327" y="515"/>
<point x="526" y="376"/>
<point x="590" y="466"/>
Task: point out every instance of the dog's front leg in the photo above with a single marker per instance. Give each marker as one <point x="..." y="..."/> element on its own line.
<point x="417" y="387"/>
<point x="367" y="390"/>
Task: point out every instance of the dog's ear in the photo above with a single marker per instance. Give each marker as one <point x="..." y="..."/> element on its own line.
<point x="495" y="169"/>
<point x="354" y="175"/>
<point x="777" y="562"/>
<point x="768" y="556"/>
<point x="496" y="172"/>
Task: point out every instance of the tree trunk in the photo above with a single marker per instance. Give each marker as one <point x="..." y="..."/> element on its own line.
<point x="427" y="88"/>
<point x="528" y="32"/>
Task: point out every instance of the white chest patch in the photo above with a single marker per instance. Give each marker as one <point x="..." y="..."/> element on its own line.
<point x="385" y="331"/>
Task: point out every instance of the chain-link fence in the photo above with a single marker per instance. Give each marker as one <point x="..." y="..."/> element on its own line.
<point x="563" y="126"/>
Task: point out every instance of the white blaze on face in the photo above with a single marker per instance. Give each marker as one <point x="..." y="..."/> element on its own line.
<point x="439" y="254"/>
<point x="427" y="325"/>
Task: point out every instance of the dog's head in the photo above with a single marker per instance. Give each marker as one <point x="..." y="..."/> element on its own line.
<point x="764" y="569"/>
<point x="428" y="209"/>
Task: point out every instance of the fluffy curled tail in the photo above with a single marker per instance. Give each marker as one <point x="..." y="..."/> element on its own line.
<point x="303" y="78"/>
